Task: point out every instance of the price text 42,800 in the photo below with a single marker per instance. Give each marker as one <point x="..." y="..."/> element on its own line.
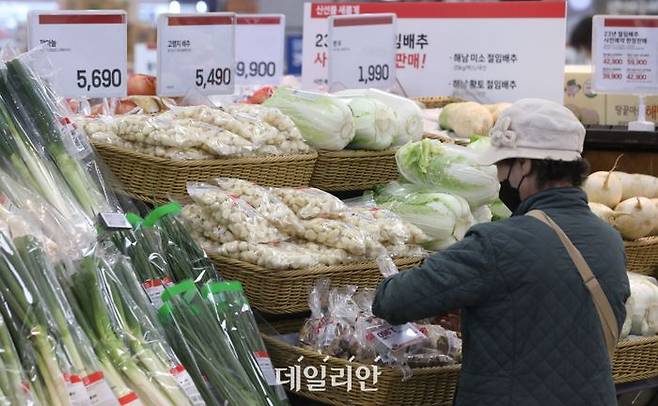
<point x="98" y="78"/>
<point x="213" y="77"/>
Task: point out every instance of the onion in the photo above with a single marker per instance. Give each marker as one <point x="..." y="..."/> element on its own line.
<point x="141" y="85"/>
<point x="634" y="218"/>
<point x="602" y="211"/>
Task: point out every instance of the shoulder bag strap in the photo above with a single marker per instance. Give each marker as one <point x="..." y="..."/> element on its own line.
<point x="603" y="308"/>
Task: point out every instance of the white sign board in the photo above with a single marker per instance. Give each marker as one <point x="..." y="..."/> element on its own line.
<point x="196" y="51"/>
<point x="257" y="63"/>
<point x="625" y="54"/>
<point x="88" y="50"/>
<point x="361" y="51"/>
<point x="146" y="59"/>
<point x="481" y="51"/>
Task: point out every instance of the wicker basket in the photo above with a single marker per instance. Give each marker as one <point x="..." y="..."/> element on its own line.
<point x="642" y="255"/>
<point x="636" y="359"/>
<point x="286" y="291"/>
<point x="339" y="171"/>
<point x="427" y="386"/>
<point x="435" y="102"/>
<point x="158" y="180"/>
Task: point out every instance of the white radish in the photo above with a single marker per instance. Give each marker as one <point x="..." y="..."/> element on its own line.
<point x="634" y="218"/>
<point x="655" y="223"/>
<point x="602" y="211"/>
<point x="637" y="184"/>
<point x="604" y="187"/>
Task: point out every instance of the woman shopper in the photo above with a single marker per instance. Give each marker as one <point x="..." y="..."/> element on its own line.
<point x="541" y="312"/>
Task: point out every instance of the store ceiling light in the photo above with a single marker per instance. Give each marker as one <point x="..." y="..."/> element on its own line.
<point x="580" y="5"/>
<point x="174" y="6"/>
<point x="201" y="6"/>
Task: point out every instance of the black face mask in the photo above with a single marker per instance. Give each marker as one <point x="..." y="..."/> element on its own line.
<point x="508" y="194"/>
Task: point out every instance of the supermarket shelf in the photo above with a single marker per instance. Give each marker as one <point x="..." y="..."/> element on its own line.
<point x="619" y="138"/>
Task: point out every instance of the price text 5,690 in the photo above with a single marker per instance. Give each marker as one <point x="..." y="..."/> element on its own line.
<point x="98" y="78"/>
<point x="373" y="73"/>
<point x="213" y="77"/>
<point x="255" y="69"/>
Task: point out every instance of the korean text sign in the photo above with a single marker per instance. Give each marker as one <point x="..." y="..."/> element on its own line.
<point x="484" y="51"/>
<point x="625" y="54"/>
<point x="196" y="51"/>
<point x="361" y="51"/>
<point x="83" y="67"/>
<point x="257" y="63"/>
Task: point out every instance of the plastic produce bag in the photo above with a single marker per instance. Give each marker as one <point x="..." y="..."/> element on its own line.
<point x="309" y="203"/>
<point x="232" y="310"/>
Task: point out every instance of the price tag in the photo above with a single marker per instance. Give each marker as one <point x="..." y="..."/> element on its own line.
<point x="100" y="393"/>
<point x="114" y="221"/>
<point x="154" y="289"/>
<point x="361" y="51"/>
<point x="396" y="337"/>
<point x="187" y="384"/>
<point x="88" y="50"/>
<point x="146" y="59"/>
<point x="625" y="54"/>
<point x="196" y="51"/>
<point x="489" y="52"/>
<point x="257" y="64"/>
<point x="266" y="367"/>
<point x="76" y="389"/>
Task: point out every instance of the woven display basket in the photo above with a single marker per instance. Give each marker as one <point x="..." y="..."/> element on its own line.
<point x="636" y="359"/>
<point x="156" y="180"/>
<point x="286" y="291"/>
<point x="427" y="386"/>
<point x="339" y="171"/>
<point x="435" y="102"/>
<point x="642" y="255"/>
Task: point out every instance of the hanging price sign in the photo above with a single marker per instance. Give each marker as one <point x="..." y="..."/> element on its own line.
<point x="196" y="51"/>
<point x="257" y="64"/>
<point x="625" y="54"/>
<point x="81" y="67"/>
<point x="361" y="51"/>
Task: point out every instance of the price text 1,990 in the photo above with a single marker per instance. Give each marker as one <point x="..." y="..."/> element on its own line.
<point x="255" y="69"/>
<point x="213" y="77"/>
<point x="373" y="73"/>
<point x="98" y="78"/>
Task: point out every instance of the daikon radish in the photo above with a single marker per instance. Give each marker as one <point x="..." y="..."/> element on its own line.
<point x="634" y="218"/>
<point x="602" y="211"/>
<point x="637" y="184"/>
<point x="604" y="187"/>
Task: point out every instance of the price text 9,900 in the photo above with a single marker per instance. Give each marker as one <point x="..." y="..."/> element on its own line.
<point x="98" y="78"/>
<point x="255" y="69"/>
<point x="213" y="77"/>
<point x="373" y="73"/>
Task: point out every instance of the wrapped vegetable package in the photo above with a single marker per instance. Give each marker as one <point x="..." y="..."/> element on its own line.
<point x="448" y="168"/>
<point x="466" y="119"/>
<point x="374" y="123"/>
<point x="325" y="121"/>
<point x="308" y="203"/>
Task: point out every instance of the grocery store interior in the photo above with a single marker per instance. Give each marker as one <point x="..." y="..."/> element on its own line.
<point x="300" y="203"/>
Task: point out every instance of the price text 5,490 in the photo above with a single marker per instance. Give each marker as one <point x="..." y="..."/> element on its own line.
<point x="98" y="78"/>
<point x="213" y="77"/>
<point x="373" y="73"/>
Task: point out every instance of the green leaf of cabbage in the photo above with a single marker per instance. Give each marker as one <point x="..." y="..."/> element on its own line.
<point x="448" y="168"/>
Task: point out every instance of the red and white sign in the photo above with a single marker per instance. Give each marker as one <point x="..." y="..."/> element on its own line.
<point x="361" y="51"/>
<point x="83" y="67"/>
<point x="481" y="51"/>
<point x="186" y="383"/>
<point x="100" y="393"/>
<point x="256" y="64"/>
<point x="196" y="51"/>
<point x="154" y="289"/>
<point x="625" y="54"/>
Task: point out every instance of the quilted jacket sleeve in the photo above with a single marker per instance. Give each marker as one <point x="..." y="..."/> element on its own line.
<point x="460" y="276"/>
